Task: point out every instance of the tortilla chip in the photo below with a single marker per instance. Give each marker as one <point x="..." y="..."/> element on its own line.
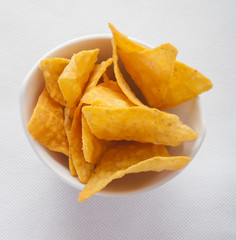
<point x="186" y="84"/>
<point x="120" y="79"/>
<point x="137" y="124"/>
<point x="93" y="148"/>
<point x="52" y="69"/>
<point x="83" y="168"/>
<point x="47" y="124"/>
<point x="75" y="76"/>
<point x="97" y="73"/>
<point x="107" y="94"/>
<point x="130" y="157"/>
<point x="151" y="70"/>
<point x="67" y="125"/>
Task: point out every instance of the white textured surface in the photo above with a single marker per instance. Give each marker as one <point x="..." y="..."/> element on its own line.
<point x="198" y="204"/>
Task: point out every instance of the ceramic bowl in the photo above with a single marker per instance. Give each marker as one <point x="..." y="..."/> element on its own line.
<point x="190" y="113"/>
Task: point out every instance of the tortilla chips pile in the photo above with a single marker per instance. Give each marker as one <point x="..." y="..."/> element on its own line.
<point x="88" y="112"/>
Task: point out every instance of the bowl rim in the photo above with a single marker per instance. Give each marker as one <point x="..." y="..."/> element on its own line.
<point x="80" y="185"/>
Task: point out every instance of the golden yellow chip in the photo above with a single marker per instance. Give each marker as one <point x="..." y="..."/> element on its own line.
<point x="97" y="73"/>
<point x="186" y="83"/>
<point x="47" y="124"/>
<point x="107" y="94"/>
<point x="137" y="124"/>
<point x="83" y="168"/>
<point x="151" y="70"/>
<point x="93" y="148"/>
<point x="67" y="125"/>
<point x="75" y="76"/>
<point x="52" y="69"/>
<point x="130" y="157"/>
<point x="120" y="79"/>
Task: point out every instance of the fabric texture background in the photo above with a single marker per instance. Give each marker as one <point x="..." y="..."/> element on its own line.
<point x="200" y="203"/>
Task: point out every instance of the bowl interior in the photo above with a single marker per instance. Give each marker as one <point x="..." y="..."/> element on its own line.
<point x="190" y="113"/>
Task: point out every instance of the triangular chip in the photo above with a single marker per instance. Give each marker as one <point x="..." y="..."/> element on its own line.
<point x="93" y="148"/>
<point x="67" y="125"/>
<point x="120" y="79"/>
<point x="130" y="157"/>
<point x="137" y="124"/>
<point x="75" y="76"/>
<point x="186" y="83"/>
<point x="107" y="94"/>
<point x="52" y="69"/>
<point x="83" y="168"/>
<point x="151" y="70"/>
<point x="47" y="124"/>
<point x="97" y="73"/>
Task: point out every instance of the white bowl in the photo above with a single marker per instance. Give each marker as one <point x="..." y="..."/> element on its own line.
<point x="190" y="113"/>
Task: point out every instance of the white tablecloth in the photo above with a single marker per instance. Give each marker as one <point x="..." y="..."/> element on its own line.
<point x="200" y="203"/>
